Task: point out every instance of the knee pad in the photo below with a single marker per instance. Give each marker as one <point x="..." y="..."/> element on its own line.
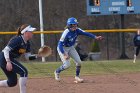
<point x="12" y="83"/>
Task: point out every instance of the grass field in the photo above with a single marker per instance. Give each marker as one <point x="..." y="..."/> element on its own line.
<point x="41" y="69"/>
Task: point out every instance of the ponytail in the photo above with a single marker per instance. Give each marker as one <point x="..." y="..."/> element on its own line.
<point x="19" y="29"/>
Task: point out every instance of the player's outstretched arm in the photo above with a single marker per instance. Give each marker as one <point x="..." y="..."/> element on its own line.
<point x="99" y="37"/>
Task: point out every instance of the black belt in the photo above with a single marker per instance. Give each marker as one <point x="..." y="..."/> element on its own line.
<point x="67" y="46"/>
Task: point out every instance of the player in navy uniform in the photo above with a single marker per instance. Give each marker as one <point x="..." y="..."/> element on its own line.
<point x="66" y="48"/>
<point x="136" y="41"/>
<point x="17" y="46"/>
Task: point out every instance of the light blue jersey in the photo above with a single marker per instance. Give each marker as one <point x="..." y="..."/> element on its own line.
<point x="69" y="37"/>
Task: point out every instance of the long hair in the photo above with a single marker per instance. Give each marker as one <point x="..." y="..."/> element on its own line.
<point x="19" y="29"/>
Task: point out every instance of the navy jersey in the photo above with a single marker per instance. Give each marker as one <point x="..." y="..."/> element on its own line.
<point x="18" y="46"/>
<point x="69" y="37"/>
<point x="136" y="40"/>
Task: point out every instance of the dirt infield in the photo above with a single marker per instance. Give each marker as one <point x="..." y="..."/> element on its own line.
<point x="116" y="83"/>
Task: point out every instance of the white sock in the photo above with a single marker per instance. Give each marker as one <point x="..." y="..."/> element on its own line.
<point x="22" y="84"/>
<point x="3" y="83"/>
<point x="134" y="58"/>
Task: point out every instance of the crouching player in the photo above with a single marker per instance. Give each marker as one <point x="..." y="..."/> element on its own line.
<point x="17" y="46"/>
<point x="66" y="48"/>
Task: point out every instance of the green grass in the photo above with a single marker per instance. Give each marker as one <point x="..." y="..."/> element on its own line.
<point x="40" y="69"/>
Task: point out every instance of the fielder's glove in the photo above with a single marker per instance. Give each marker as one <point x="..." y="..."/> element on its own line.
<point x="44" y="51"/>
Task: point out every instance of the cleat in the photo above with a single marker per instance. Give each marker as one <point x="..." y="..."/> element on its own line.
<point x="78" y="80"/>
<point x="57" y="77"/>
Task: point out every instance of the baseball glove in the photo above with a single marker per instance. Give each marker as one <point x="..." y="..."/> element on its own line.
<point x="44" y="51"/>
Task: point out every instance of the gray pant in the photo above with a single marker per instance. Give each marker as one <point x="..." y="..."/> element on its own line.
<point x="71" y="51"/>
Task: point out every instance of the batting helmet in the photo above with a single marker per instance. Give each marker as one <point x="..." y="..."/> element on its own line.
<point x="71" y="20"/>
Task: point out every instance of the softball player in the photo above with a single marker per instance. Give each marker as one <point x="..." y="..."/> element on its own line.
<point x="66" y="48"/>
<point x="17" y="46"/>
<point x="136" y="41"/>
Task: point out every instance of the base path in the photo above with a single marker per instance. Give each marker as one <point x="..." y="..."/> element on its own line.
<point x="115" y="83"/>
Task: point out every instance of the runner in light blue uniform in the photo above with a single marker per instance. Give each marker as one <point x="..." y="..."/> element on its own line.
<point x="66" y="48"/>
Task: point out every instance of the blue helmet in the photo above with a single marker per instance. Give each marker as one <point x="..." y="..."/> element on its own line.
<point x="71" y="20"/>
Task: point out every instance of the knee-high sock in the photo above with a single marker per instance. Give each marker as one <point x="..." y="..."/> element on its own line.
<point x="61" y="68"/>
<point x="78" y="68"/>
<point x="22" y="84"/>
<point x="3" y="83"/>
<point x="66" y="65"/>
